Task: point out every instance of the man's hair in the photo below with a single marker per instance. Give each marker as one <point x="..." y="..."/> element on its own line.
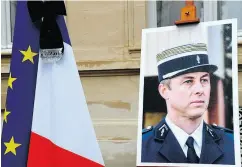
<point x="166" y="82"/>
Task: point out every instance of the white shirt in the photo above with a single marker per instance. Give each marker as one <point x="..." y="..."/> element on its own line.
<point x="182" y="137"/>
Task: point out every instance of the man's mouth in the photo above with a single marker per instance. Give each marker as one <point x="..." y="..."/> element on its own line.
<point x="197" y="102"/>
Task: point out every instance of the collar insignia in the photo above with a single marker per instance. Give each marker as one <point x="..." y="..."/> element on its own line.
<point x="161" y="132"/>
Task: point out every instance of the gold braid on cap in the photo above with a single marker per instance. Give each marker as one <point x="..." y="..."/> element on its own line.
<point x="181" y="49"/>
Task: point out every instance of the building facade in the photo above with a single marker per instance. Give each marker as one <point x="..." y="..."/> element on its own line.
<point x="106" y="39"/>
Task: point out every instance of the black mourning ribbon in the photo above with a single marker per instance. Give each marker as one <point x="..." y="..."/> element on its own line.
<point x="43" y="16"/>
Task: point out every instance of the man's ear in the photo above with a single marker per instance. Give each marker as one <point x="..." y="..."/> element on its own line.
<point x="163" y="90"/>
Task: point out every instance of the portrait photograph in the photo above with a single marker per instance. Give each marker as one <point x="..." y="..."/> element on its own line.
<point x="188" y="96"/>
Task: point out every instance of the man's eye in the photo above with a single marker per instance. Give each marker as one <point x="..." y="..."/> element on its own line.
<point x="204" y="80"/>
<point x="188" y="82"/>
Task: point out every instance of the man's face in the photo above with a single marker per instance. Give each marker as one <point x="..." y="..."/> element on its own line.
<point x="189" y="94"/>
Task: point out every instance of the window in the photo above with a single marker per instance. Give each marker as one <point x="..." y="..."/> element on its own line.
<point x="8" y="12"/>
<point x="165" y="13"/>
<point x="231" y="9"/>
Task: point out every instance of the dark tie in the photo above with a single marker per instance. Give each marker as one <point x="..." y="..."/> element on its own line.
<point x="191" y="153"/>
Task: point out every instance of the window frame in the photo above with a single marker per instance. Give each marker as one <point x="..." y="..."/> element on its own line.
<point x="6" y="45"/>
<point x="211" y="8"/>
<point x="210" y="14"/>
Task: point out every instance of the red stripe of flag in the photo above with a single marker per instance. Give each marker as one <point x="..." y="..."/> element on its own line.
<point x="44" y="153"/>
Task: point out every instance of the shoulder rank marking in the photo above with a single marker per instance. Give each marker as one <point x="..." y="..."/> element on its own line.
<point x="222" y="128"/>
<point x="147" y="129"/>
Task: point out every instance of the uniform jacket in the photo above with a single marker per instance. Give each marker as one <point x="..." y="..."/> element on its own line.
<point x="159" y="145"/>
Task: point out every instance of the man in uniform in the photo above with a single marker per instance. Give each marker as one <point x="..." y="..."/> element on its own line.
<point x="183" y="136"/>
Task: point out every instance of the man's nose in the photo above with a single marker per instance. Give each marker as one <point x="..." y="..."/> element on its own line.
<point x="198" y="88"/>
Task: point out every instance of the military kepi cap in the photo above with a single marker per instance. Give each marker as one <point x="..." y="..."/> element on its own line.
<point x="183" y="59"/>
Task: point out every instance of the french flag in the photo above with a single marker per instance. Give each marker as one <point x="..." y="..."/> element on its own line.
<point x="62" y="132"/>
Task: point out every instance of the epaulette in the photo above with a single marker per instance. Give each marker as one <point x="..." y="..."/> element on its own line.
<point x="222" y="128"/>
<point x="147" y="129"/>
